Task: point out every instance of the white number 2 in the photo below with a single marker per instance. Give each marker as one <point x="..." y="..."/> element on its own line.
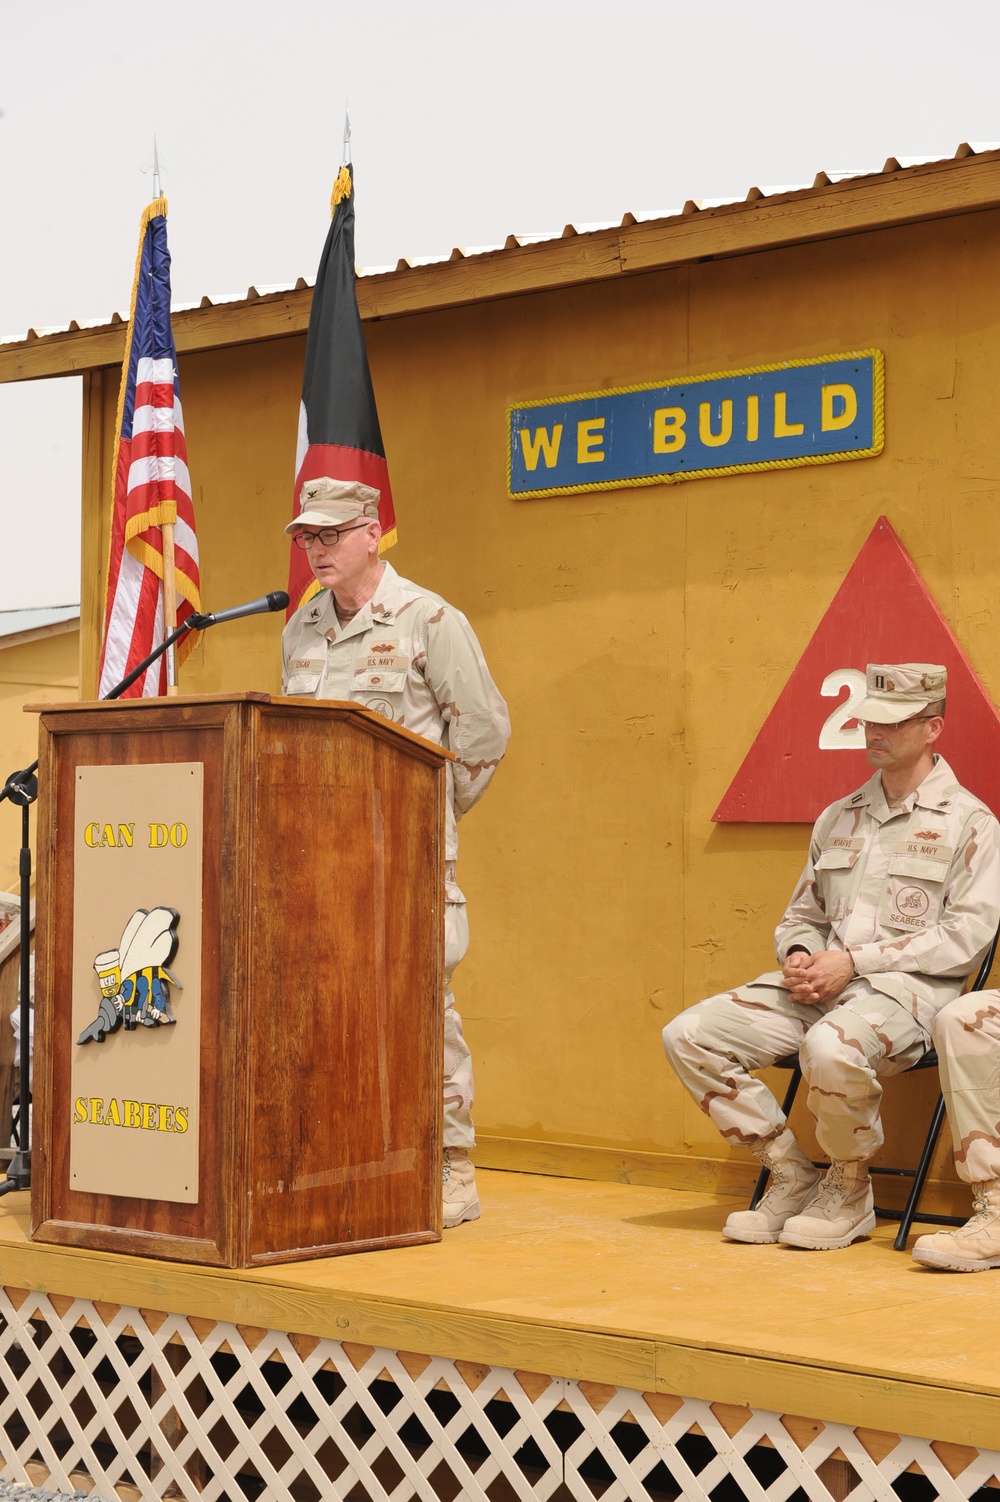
<point x="833" y="736"/>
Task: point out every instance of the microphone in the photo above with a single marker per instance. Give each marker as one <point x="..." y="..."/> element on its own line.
<point x="276" y="600"/>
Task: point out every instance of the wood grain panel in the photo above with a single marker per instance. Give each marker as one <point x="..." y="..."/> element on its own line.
<point x="346" y="963"/>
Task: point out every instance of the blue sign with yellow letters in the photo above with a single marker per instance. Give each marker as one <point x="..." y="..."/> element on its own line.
<point x="802" y="412"/>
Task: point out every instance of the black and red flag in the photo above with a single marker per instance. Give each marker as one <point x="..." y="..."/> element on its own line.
<point x="339" y="433"/>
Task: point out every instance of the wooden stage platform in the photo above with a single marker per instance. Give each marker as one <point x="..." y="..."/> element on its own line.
<point x="606" y="1288"/>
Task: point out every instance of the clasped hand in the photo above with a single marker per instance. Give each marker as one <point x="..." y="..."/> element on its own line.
<point x="819" y="977"/>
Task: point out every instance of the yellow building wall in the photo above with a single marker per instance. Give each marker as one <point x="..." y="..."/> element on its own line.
<point x="640" y="636"/>
<point x="32" y="673"/>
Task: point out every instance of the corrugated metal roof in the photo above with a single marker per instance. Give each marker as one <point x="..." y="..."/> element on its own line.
<point x="893" y="166"/>
<point x="17" y="622"/>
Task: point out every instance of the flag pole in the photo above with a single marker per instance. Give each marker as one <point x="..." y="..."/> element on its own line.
<point x="169" y="601"/>
<point x="347" y="133"/>
<point x="167" y="531"/>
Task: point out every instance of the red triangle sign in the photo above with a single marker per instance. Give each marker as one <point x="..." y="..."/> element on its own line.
<point x="809" y="751"/>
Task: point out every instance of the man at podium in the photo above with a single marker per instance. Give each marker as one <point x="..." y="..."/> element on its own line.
<point x="402" y="651"/>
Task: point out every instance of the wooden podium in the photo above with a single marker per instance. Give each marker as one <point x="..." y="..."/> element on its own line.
<point x="262" y="881"/>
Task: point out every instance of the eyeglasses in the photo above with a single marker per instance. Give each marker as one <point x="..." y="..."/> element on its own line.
<point x="327" y="538"/>
<point x="900" y="724"/>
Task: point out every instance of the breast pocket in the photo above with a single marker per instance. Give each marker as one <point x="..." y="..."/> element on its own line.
<point x="304" y="682"/>
<point x="914" y="892"/>
<point x="380" y="689"/>
<point x="833" y="869"/>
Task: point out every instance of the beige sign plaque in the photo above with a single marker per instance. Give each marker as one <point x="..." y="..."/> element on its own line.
<point x="136" y="1071"/>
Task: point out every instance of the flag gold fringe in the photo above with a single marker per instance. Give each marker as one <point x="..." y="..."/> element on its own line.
<point x="341" y="187"/>
<point x="151" y="211"/>
<point x="387" y="540"/>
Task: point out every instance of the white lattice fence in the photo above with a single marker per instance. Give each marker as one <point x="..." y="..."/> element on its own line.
<point x="149" y="1405"/>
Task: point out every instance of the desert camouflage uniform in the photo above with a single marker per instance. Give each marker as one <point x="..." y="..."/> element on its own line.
<point x="914" y="895"/>
<point x="967" y="1038"/>
<point x="415" y="659"/>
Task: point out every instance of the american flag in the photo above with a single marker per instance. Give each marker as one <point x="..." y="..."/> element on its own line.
<point x="152" y="486"/>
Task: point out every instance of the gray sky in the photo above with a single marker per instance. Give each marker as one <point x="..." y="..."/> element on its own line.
<point x="471" y="121"/>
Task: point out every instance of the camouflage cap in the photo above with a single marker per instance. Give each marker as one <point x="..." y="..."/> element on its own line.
<point x="331" y="503"/>
<point x="897" y="691"/>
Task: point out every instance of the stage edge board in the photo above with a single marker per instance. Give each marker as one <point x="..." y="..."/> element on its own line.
<point x="316" y="1300"/>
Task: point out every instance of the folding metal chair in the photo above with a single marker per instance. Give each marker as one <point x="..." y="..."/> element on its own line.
<point x="910" y="1211"/>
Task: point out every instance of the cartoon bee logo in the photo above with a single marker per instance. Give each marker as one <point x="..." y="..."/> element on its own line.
<point x="134" y="978"/>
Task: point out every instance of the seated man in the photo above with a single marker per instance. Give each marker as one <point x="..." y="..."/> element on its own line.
<point x="898" y="903"/>
<point x="967" y="1038"/>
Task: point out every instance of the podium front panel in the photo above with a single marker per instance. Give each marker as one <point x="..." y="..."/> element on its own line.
<point x="198" y="1230"/>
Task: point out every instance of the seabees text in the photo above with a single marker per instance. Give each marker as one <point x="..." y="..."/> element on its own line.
<point x="143" y="1115"/>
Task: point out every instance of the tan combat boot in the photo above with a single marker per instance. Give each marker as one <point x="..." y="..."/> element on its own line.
<point x="973" y="1247"/>
<point x="461" y="1199"/>
<point x="793" y="1185"/>
<point x="842" y="1211"/>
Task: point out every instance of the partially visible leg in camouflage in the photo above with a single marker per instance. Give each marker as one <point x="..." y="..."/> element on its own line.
<point x="864" y="1036"/>
<point x="713" y="1047"/>
<point x="458" y="1086"/>
<point x="967" y="1038"/>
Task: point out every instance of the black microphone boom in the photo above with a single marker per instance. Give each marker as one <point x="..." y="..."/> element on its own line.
<point x="276" y="600"/>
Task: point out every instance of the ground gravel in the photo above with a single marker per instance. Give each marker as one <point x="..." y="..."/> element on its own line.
<point x="10" y="1489"/>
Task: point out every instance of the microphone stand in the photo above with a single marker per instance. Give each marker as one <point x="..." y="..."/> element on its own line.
<point x="21" y="788"/>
